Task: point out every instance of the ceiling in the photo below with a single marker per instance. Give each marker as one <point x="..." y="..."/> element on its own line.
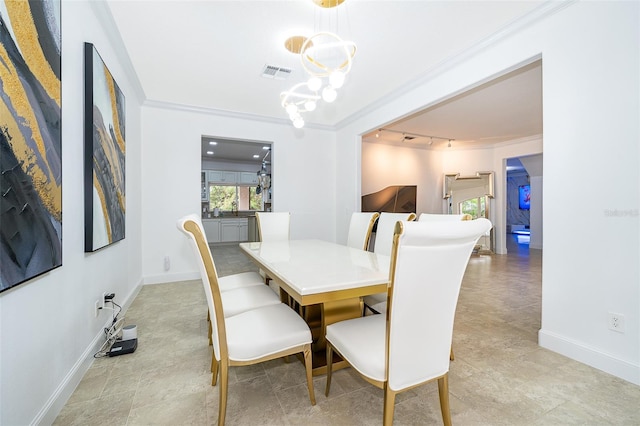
<point x="215" y="149"/>
<point x="211" y="55"/>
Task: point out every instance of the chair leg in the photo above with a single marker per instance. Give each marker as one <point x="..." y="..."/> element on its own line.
<point x="451" y="357"/>
<point x="214" y="370"/>
<point x="307" y="365"/>
<point x="329" y="368"/>
<point x="210" y="329"/>
<point x="224" y="384"/>
<point x="389" y="405"/>
<point x="443" y="392"/>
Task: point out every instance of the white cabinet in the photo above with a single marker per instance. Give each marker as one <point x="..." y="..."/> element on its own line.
<point x="232" y="230"/>
<point x="219" y="176"/>
<point x="248" y="177"/>
<point x="212" y="230"/>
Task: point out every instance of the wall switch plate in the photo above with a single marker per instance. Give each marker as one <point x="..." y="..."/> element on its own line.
<point x="97" y="308"/>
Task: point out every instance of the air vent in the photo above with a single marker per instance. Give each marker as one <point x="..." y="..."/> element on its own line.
<point x="275" y="72"/>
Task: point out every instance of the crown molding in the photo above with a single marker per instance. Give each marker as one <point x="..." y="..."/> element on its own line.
<point x="229" y="114"/>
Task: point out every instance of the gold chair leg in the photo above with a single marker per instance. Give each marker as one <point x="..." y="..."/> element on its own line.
<point x="307" y="365"/>
<point x="389" y="405"/>
<point x="451" y="357"/>
<point x="329" y="368"/>
<point x="443" y="392"/>
<point x="214" y="370"/>
<point x="224" y="385"/>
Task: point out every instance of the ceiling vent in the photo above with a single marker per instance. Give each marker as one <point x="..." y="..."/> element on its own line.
<point x="276" y="73"/>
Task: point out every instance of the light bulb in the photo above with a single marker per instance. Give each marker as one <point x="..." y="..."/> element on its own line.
<point x="336" y="79"/>
<point x="298" y="122"/>
<point x="310" y="105"/>
<point x="291" y="109"/>
<point x="329" y="94"/>
<point x="314" y="84"/>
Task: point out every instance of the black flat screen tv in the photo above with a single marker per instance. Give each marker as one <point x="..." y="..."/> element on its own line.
<point x="524" y="197"/>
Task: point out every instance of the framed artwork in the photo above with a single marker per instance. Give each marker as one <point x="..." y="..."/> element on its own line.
<point x="30" y="140"/>
<point x="104" y="155"/>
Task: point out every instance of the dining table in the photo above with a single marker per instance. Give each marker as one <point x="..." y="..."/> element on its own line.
<point x="323" y="281"/>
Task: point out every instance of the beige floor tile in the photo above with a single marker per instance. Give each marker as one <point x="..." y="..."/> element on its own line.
<point x="500" y="375"/>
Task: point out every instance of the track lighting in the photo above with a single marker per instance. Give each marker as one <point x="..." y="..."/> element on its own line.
<point x="411" y="136"/>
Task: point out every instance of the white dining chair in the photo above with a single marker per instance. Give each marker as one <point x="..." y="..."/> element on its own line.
<point x="382" y="245"/>
<point x="409" y="346"/>
<point x="251" y="337"/>
<point x="240" y="292"/>
<point x="360" y="227"/>
<point x="273" y="226"/>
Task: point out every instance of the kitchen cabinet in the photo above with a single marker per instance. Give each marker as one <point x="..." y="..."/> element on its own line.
<point x="248" y="178"/>
<point x="232" y="230"/>
<point x="212" y="230"/>
<point x="219" y="176"/>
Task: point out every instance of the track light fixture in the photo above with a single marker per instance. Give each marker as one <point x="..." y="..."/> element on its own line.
<point x="410" y="136"/>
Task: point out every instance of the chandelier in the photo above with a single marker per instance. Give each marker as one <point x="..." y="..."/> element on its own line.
<point x="327" y="59"/>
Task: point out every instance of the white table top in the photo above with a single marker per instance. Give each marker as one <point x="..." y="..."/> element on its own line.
<point x="314" y="267"/>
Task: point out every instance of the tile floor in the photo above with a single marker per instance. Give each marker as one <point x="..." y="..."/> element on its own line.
<point x="500" y="375"/>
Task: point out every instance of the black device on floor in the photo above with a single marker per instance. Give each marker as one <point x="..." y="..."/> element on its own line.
<point x="121" y="347"/>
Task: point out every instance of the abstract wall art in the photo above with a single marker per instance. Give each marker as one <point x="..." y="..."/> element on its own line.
<point x="30" y="140"/>
<point x="104" y="155"/>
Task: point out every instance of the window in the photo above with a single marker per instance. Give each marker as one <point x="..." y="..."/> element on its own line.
<point x="476" y="207"/>
<point x="228" y="197"/>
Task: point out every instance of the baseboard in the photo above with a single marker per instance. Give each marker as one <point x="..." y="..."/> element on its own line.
<point x="170" y="278"/>
<point x="50" y="411"/>
<point x="590" y="356"/>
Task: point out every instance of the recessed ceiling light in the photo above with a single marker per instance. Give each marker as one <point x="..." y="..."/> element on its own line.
<point x="266" y="147"/>
<point x="213" y="143"/>
<point x="209" y="152"/>
<point x="256" y="156"/>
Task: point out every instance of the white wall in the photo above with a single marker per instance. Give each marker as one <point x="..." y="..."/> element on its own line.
<point x="303" y="175"/>
<point x="533" y="165"/>
<point x="47" y="325"/>
<point x="590" y="59"/>
<point x="384" y="165"/>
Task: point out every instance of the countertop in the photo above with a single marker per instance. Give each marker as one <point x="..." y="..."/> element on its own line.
<point x="228" y="216"/>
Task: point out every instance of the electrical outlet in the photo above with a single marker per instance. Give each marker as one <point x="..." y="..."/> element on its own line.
<point x="616" y="322"/>
<point x="167" y="263"/>
<point x="97" y="308"/>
